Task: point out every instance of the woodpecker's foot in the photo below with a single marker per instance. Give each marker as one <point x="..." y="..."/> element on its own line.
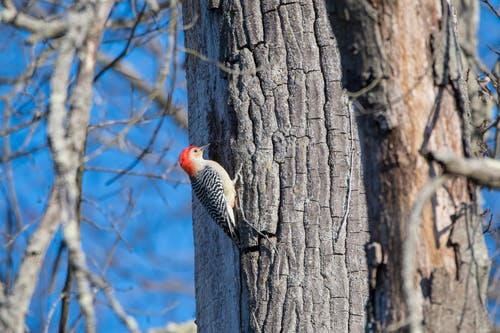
<point x="237" y="175"/>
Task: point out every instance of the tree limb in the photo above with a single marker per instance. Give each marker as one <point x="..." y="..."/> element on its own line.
<point x="482" y="171"/>
<point x="12" y="314"/>
<point x="410" y="253"/>
<point x="40" y="28"/>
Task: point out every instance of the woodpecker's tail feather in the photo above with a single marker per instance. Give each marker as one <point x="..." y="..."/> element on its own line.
<point x="231" y="225"/>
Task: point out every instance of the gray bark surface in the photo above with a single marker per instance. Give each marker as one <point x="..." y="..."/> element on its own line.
<point x="270" y="99"/>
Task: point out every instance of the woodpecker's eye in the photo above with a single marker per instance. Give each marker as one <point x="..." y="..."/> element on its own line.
<point x="195" y="150"/>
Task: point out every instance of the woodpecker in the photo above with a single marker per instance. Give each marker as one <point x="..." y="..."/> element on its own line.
<point x="212" y="186"/>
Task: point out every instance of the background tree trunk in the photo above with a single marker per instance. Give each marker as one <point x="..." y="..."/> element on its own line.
<point x="270" y="99"/>
<point x="419" y="103"/>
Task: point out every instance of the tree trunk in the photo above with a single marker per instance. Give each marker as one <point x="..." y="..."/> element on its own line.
<point x="269" y="98"/>
<point x="275" y="106"/>
<point x="408" y="53"/>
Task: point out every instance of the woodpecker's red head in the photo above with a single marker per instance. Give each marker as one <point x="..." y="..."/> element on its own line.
<point x="189" y="157"/>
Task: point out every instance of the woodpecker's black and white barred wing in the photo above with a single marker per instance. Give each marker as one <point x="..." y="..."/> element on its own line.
<point x="208" y="188"/>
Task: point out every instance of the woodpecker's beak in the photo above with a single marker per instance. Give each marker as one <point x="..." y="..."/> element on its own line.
<point x="202" y="148"/>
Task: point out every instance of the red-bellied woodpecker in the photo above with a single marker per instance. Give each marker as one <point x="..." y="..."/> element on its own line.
<point x="212" y="186"/>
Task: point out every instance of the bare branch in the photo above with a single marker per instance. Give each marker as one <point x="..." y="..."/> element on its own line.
<point x="12" y="315"/>
<point x="482" y="171"/>
<point x="41" y="29"/>
<point x="410" y="252"/>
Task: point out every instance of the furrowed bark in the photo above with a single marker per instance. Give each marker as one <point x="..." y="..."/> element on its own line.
<point x="281" y="113"/>
<point x="418" y="103"/>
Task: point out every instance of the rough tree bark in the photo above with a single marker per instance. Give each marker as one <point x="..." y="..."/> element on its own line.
<point x="418" y="104"/>
<point x="275" y="105"/>
<point x="270" y="98"/>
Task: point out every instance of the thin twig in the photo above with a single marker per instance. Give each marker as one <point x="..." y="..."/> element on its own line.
<point x="372" y="85"/>
<point x="20" y="126"/>
<point x="347" y="202"/>
<point x="221" y="66"/>
<point x="127" y="320"/>
<point x="137" y="174"/>
<point x="492" y="7"/>
<point x="124" y="52"/>
<point x="51" y="313"/>
<point x="19" y="154"/>
<point x="141" y="155"/>
<point x="496" y="71"/>
<point x="113" y="222"/>
<point x="10" y="173"/>
<point x="111" y="123"/>
<point x="410" y="252"/>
